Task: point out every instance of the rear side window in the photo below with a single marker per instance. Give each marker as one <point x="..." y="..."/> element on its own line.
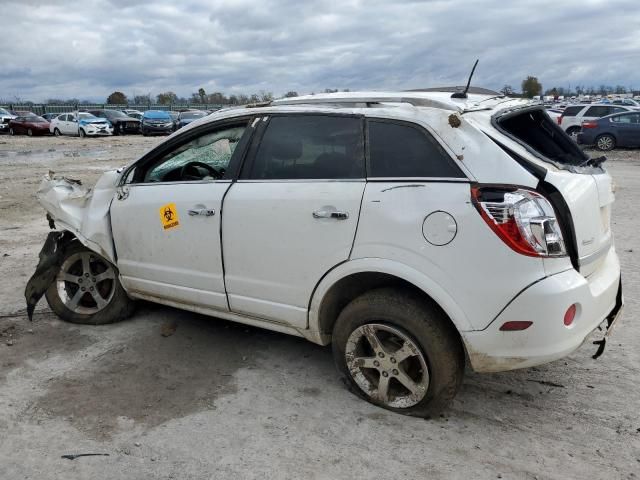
<point x="403" y="151"/>
<point x="310" y="147"/>
<point x="599" y="111"/>
<point x="571" y="111"/>
<point x="627" y="118"/>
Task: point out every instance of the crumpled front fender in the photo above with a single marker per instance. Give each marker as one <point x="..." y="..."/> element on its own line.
<point x="82" y="211"/>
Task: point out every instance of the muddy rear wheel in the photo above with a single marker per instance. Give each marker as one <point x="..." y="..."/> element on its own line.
<point x="87" y="289"/>
<point x="399" y="351"/>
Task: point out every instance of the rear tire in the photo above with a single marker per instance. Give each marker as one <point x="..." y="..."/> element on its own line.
<point x="573" y="132"/>
<point x="605" y="142"/>
<point x="418" y="364"/>
<point x="103" y="299"/>
<point x="30" y="132"/>
<point x="11" y="131"/>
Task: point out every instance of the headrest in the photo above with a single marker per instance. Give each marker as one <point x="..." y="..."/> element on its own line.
<point x="286" y="148"/>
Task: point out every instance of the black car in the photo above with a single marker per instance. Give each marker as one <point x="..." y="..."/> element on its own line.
<point x="185" y="118"/>
<point x="157" y="122"/>
<point x="122" y="123"/>
<point x="607" y="133"/>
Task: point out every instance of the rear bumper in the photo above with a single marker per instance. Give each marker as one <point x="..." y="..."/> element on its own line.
<point x="598" y="298"/>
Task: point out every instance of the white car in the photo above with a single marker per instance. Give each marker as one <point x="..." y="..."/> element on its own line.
<point x="80" y="124"/>
<point x="573" y="116"/>
<point x="5" y="117"/>
<point x="414" y="232"/>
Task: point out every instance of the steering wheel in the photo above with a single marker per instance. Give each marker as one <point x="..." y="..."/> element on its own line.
<point x="190" y="171"/>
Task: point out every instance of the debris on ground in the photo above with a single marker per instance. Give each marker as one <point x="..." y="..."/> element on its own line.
<point x="545" y="382"/>
<point x="168" y="329"/>
<point x="73" y="456"/>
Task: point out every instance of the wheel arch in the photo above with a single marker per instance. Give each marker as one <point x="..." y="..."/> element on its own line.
<point x="351" y="279"/>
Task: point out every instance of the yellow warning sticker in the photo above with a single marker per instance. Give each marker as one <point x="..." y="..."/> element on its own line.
<point x="169" y="216"/>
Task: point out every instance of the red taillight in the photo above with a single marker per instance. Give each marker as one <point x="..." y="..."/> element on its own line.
<point x="570" y="315"/>
<point x="589" y="124"/>
<point x="560" y="120"/>
<point x="523" y="219"/>
<point x="515" y="325"/>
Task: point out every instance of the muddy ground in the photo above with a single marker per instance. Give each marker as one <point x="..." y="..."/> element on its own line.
<point x="220" y="400"/>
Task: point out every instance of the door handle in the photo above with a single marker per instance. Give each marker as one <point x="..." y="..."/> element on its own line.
<point x="330" y="214"/>
<point x="205" y="212"/>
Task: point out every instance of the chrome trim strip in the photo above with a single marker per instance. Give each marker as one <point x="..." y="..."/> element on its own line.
<point x="177" y="182"/>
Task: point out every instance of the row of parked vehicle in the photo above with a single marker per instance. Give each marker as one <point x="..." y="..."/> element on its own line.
<point x="604" y="125"/>
<point x="99" y="122"/>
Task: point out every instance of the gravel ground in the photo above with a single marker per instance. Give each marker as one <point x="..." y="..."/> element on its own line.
<point x="221" y="400"/>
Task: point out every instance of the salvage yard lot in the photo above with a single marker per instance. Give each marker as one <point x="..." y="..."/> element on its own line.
<point x="172" y="394"/>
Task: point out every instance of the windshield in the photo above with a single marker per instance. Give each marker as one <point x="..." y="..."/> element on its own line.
<point x="4" y="112"/>
<point x="34" y="119"/>
<point x="190" y="115"/>
<point x="157" y="114"/>
<point x="86" y="115"/>
<point x="114" y="113"/>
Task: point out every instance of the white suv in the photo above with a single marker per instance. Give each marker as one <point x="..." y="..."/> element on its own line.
<point x="572" y="117"/>
<point x="414" y="232"/>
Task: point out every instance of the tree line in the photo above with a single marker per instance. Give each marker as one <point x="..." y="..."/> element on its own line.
<point x="531" y="87"/>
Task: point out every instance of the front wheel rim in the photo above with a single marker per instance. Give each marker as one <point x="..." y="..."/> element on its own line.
<point x="86" y="283"/>
<point x="387" y="365"/>
<point x="605" y="143"/>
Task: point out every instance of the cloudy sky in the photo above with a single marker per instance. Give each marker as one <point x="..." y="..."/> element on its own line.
<point x="89" y="48"/>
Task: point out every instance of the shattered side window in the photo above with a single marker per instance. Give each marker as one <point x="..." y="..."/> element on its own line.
<point x="213" y="149"/>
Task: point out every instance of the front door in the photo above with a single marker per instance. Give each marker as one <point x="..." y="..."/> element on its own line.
<point x="292" y="216"/>
<point x="167" y="228"/>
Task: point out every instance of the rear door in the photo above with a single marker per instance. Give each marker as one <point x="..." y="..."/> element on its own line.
<point x="627" y="129"/>
<point x="292" y="216"/>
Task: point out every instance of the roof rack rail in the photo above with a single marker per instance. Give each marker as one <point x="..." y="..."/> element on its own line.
<point x="402" y="97"/>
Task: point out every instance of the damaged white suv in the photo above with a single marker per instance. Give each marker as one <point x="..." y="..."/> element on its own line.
<point x="415" y="232"/>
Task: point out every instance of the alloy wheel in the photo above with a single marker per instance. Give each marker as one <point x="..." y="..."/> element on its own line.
<point x="86" y="283"/>
<point x="605" y="143"/>
<point x="387" y="365"/>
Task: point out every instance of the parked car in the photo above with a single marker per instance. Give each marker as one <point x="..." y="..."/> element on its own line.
<point x="50" y="116"/>
<point x="573" y="116"/>
<point x="185" y="118"/>
<point x="81" y="124"/>
<point x="411" y="236"/>
<point x="174" y="118"/>
<point x="156" y="122"/>
<point x="626" y="101"/>
<point x="554" y="113"/>
<point x="133" y="113"/>
<point x="121" y="122"/>
<point x="5" y="117"/>
<point x="28" y="125"/>
<point x="607" y="133"/>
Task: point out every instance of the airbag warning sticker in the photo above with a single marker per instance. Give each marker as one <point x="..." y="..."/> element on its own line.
<point x="169" y="216"/>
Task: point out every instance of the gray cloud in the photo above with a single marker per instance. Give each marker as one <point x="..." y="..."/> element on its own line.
<point x="88" y="48"/>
